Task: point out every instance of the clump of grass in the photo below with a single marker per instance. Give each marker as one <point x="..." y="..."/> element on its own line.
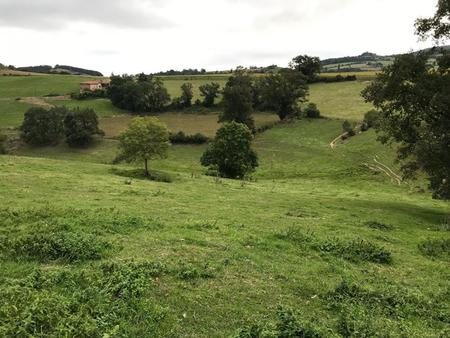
<point x="379" y="226"/>
<point x="202" y="225"/>
<point x="288" y="324"/>
<point x="357" y="250"/>
<point x="191" y="272"/>
<point x="51" y="246"/>
<point x="354" y="250"/>
<point x="444" y="225"/>
<point x="392" y="301"/>
<point x="436" y="248"/>
<point x="105" y="302"/>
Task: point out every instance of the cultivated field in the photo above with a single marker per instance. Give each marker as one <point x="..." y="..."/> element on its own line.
<point x="315" y="230"/>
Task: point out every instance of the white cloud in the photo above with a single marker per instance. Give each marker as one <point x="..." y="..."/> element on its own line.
<point x="151" y="35"/>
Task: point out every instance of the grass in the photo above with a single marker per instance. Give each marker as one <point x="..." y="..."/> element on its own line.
<point x="340" y="100"/>
<point x="101" y="251"/>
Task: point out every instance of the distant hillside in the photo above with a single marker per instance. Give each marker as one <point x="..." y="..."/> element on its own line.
<point x="59" y="69"/>
<point x="368" y="61"/>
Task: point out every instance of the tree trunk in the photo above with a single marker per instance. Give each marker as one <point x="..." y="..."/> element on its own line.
<point x="146" y="167"/>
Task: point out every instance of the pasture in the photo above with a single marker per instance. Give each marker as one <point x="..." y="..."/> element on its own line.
<point x="314" y="230"/>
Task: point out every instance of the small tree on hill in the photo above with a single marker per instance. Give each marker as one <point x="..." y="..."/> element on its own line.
<point x="282" y="92"/>
<point x="238" y="100"/>
<point x="80" y="127"/>
<point x="146" y="139"/>
<point x="230" y="152"/>
<point x="210" y="91"/>
<point x="348" y="128"/>
<point x="43" y="127"/>
<point x="307" y="65"/>
<point x="186" y="95"/>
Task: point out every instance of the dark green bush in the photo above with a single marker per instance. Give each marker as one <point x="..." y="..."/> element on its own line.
<point x="85" y="95"/>
<point x="43" y="127"/>
<point x="436" y="248"/>
<point x="371" y="119"/>
<point x="348" y="128"/>
<point x="230" y="152"/>
<point x="182" y="138"/>
<point x="311" y="111"/>
<point x="60" y="245"/>
<point x="3" y="139"/>
<point x="80" y="127"/>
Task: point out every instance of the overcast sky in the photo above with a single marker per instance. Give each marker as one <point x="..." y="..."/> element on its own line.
<point x="130" y="36"/>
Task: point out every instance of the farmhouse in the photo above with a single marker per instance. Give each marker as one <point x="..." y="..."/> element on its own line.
<point x="94" y="85"/>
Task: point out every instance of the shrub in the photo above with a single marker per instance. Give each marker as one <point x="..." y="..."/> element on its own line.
<point x="371" y="119"/>
<point x="230" y="151"/>
<point x="85" y="95"/>
<point x="51" y="246"/>
<point x="436" y="248"/>
<point x="43" y="127"/>
<point x="348" y="128"/>
<point x="311" y="111"/>
<point x="80" y="127"/>
<point x="3" y="140"/>
<point x="182" y="138"/>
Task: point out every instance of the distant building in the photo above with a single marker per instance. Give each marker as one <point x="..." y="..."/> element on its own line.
<point x="90" y="86"/>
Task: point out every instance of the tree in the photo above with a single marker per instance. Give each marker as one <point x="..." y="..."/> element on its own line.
<point x="230" y="152"/>
<point x="80" y="126"/>
<point x="307" y="65"/>
<point x="43" y="127"/>
<point x="282" y="92"/>
<point x="144" y="94"/>
<point x="413" y="98"/>
<point x="438" y="26"/>
<point x="146" y="139"/>
<point x="238" y="100"/>
<point x="186" y="95"/>
<point x="210" y="91"/>
<point x="311" y="111"/>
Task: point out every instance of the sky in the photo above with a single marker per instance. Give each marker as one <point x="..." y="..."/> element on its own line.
<point x="132" y="36"/>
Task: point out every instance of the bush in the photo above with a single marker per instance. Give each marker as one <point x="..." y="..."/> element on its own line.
<point x="182" y="138"/>
<point x="85" y="95"/>
<point x="3" y="140"/>
<point x="371" y="119"/>
<point x="80" y="127"/>
<point x="348" y="128"/>
<point x="436" y="248"/>
<point x="43" y="127"/>
<point x="230" y="151"/>
<point x="311" y="111"/>
<point x="51" y="246"/>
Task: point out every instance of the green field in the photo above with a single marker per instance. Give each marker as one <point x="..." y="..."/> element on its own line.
<point x="204" y="257"/>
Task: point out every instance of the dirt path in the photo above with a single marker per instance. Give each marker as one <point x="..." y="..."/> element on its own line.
<point x="344" y="136"/>
<point x="383" y="168"/>
<point x="36" y="101"/>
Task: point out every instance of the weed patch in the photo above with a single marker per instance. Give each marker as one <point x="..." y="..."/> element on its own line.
<point x="139" y="174"/>
<point x="189" y="272"/>
<point x="288" y="324"/>
<point x="105" y="302"/>
<point x="202" y="225"/>
<point x="51" y="246"/>
<point x="379" y="226"/>
<point x="436" y="248"/>
<point x="355" y="250"/>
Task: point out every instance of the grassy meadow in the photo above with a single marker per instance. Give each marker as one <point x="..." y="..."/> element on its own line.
<point x="91" y="249"/>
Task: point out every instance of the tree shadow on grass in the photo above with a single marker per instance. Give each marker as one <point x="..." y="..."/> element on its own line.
<point x="420" y="213"/>
<point x="139" y="174"/>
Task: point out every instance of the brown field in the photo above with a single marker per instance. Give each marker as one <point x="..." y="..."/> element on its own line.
<point x="188" y="123"/>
